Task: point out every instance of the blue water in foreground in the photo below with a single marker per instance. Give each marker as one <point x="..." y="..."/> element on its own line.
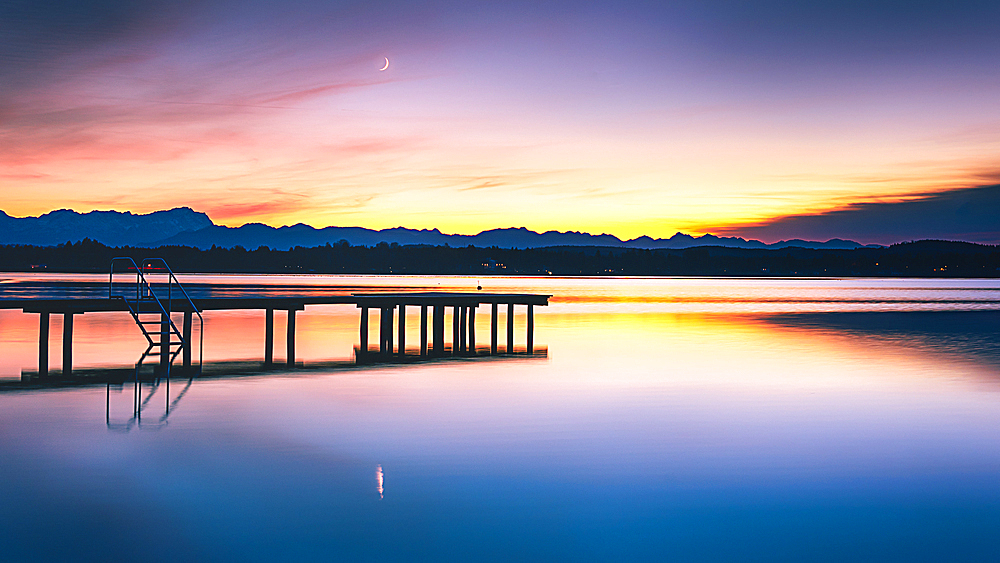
<point x="689" y="420"/>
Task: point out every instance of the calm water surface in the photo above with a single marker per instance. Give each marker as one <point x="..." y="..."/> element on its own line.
<point x="671" y="419"/>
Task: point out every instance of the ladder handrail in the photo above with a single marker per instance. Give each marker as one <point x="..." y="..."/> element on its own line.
<point x="111" y="276"/>
<point x="143" y="289"/>
<point x="171" y="279"/>
<point x="144" y="292"/>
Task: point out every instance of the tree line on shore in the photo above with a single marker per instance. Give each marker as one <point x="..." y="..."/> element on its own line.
<point x="913" y="259"/>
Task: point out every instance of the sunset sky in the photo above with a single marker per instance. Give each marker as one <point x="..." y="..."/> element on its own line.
<point x="627" y="118"/>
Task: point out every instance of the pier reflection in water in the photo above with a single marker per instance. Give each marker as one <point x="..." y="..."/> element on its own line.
<point x="141" y="399"/>
<point x="724" y="429"/>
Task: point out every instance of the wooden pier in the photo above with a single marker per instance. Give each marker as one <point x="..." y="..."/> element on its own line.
<point x="392" y="309"/>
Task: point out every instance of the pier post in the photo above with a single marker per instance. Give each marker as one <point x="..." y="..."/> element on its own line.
<point x="290" y="337"/>
<point x="423" y="330"/>
<point x="472" y="330"/>
<point x="402" y="330"/>
<point x="188" y="318"/>
<point x="381" y="330"/>
<point x="164" y="342"/>
<point x="43" y="343"/>
<point x="268" y="336"/>
<point x="510" y="328"/>
<point x="363" y="348"/>
<point x="385" y="330"/>
<point x="531" y="329"/>
<point x="67" y="349"/>
<point x="438" y="330"/>
<point x="390" y="312"/>
<point x="456" y="330"/>
<point x="463" y="329"/>
<point x="493" y="330"/>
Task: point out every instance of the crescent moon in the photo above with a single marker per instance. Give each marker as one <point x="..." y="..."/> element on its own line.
<point x="386" y="64"/>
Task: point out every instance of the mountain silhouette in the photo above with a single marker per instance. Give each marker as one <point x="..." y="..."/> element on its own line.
<point x="183" y="226"/>
<point x="112" y="228"/>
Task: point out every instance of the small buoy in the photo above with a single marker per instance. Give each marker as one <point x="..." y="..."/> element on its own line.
<point x="479" y="286"/>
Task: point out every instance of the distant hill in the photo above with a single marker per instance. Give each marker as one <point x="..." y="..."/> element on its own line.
<point x="183" y="226"/>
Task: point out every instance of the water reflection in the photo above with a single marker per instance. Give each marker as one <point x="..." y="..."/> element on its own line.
<point x="968" y="335"/>
<point x="140" y="403"/>
<point x="379" y="479"/>
<point x="647" y="433"/>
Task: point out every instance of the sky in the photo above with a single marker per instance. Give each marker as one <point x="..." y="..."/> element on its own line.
<point x="629" y="118"/>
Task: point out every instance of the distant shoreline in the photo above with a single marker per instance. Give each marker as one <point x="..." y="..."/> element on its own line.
<point x="923" y="259"/>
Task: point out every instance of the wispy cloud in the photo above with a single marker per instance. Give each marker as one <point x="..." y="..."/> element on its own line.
<point x="322" y="90"/>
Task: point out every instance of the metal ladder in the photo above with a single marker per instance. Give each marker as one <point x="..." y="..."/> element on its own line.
<point x="149" y="309"/>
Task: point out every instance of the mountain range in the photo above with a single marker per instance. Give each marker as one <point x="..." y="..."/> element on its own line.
<point x="183" y="226"/>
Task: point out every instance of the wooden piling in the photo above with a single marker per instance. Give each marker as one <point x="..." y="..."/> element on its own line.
<point x="472" y="330"/>
<point x="493" y="330"/>
<point x="43" y="343"/>
<point x="423" y="330"/>
<point x="438" y="330"/>
<point x="402" y="330"/>
<point x="463" y="329"/>
<point x="67" y="347"/>
<point x="456" y="331"/>
<point x="385" y="328"/>
<point x="364" y="330"/>
<point x="188" y="320"/>
<point x="389" y="313"/>
<point x="531" y="329"/>
<point x="164" y="342"/>
<point x="381" y="330"/>
<point x="510" y="328"/>
<point x="290" y="339"/>
<point x="268" y="336"/>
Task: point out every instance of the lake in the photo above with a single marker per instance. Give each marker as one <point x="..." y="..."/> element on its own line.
<point x="665" y="419"/>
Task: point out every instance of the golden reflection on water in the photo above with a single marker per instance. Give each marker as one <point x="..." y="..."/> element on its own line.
<point x="666" y="327"/>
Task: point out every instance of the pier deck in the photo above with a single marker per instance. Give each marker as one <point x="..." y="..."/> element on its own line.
<point x="392" y="307"/>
